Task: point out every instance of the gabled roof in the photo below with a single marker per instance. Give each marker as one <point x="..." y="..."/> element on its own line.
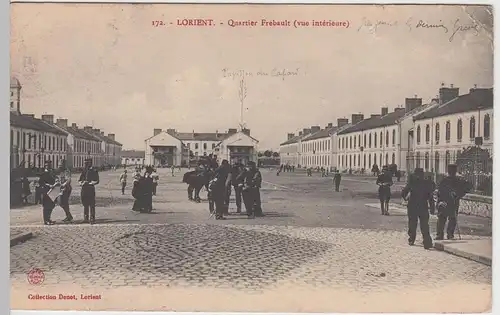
<point x="292" y="140"/>
<point x="28" y="122"/>
<point x="204" y="136"/>
<point x="374" y="122"/>
<point x="133" y="154"/>
<point x="234" y="134"/>
<point x="475" y="100"/>
<point x="79" y="133"/>
<point x="323" y="133"/>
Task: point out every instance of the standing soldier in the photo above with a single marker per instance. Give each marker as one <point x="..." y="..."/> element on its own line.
<point x="123" y="181"/>
<point x="384" y="182"/>
<point x="419" y="194"/>
<point x="218" y="188"/>
<point x="88" y="179"/>
<point x="173" y="170"/>
<point x="251" y="191"/>
<point x="336" y="179"/>
<point x="450" y="191"/>
<point x="47" y="181"/>
<point x="66" y="188"/>
<point x="237" y="183"/>
<point x="155" y="178"/>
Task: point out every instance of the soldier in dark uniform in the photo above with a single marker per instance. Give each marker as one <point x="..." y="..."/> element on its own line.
<point x="384" y="182"/>
<point x="419" y="194"/>
<point x="218" y="189"/>
<point x="237" y="184"/>
<point x="147" y="189"/>
<point x="336" y="179"/>
<point x="450" y="191"/>
<point x="88" y="179"/>
<point x="251" y="191"/>
<point x="47" y="181"/>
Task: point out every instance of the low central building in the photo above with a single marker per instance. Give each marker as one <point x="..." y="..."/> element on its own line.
<point x="171" y="147"/>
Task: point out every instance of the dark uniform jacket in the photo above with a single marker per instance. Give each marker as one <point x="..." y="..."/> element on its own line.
<point x="337" y="177"/>
<point x="421" y="193"/>
<point x="451" y="189"/>
<point x="221" y="175"/>
<point x="236" y="179"/>
<point x="252" y="179"/>
<point x="89" y="175"/>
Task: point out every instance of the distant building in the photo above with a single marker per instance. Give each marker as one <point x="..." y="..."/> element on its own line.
<point x="133" y="157"/>
<point x="179" y="148"/>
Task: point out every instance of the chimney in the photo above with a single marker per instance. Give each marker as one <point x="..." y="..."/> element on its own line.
<point x="246" y="131"/>
<point x="447" y="94"/>
<point x="412" y="103"/>
<point x="300" y="133"/>
<point x="62" y="123"/>
<point x="342" y="122"/>
<point x="156" y="131"/>
<point x="290" y="136"/>
<point x="231" y="131"/>
<point x="97" y="130"/>
<point x="111" y="136"/>
<point x="315" y="129"/>
<point x="473" y="89"/>
<point x="48" y="118"/>
<point x="356" y="118"/>
<point x="374" y="116"/>
<point x="306" y="131"/>
<point x="171" y="132"/>
<point x="384" y="111"/>
<point x="87" y="129"/>
<point x="330" y="125"/>
<point x="73" y="125"/>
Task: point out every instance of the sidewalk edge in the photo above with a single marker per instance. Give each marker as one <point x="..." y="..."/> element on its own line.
<point x="23" y="237"/>
<point x="460" y="253"/>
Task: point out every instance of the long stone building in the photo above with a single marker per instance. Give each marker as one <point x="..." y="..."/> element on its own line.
<point x="34" y="141"/>
<point x="415" y="131"/>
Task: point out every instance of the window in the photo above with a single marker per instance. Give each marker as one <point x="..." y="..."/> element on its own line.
<point x="369" y="160"/>
<point x="427" y="133"/>
<point x="447" y="132"/>
<point x="11" y="138"/>
<point x="189" y="145"/>
<point x="196" y="146"/>
<point x="350" y="142"/>
<point x="374" y="159"/>
<point x="381" y="139"/>
<point x="393" y="158"/>
<point x="486" y="126"/>
<point x="418" y="159"/>
<point x="418" y="134"/>
<point x="370" y="140"/>
<point x="364" y="161"/>
<point x="354" y="142"/>
<point x="213" y="145"/>
<point x="437" y="131"/>
<point x="359" y="159"/>
<point x="359" y="140"/>
<point x="204" y="146"/>
<point x="375" y="140"/>
<point x="364" y="140"/>
<point x="459" y="130"/>
<point x="387" y="158"/>
<point x="447" y="158"/>
<point x="387" y="138"/>
<point x="472" y="127"/>
<point x="426" y="161"/>
<point x="436" y="162"/>
<point x="11" y="104"/>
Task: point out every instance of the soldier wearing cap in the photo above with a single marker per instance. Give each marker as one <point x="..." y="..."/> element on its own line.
<point x="218" y="189"/>
<point x="47" y="181"/>
<point x="251" y="191"/>
<point x="88" y="179"/>
<point x="336" y="180"/>
<point x="419" y="194"/>
<point x="384" y="181"/>
<point x="236" y="181"/>
<point x="450" y="190"/>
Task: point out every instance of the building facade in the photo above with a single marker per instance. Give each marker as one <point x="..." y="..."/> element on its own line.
<point x="237" y="147"/>
<point x="133" y="158"/>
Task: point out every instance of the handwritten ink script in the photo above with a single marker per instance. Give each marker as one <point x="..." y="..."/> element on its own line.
<point x="275" y="72"/>
<point x="452" y="28"/>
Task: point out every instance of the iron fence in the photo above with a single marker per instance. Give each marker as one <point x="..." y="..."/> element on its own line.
<point x="475" y="166"/>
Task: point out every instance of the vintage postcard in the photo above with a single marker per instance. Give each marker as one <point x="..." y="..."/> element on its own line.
<point x="249" y="157"/>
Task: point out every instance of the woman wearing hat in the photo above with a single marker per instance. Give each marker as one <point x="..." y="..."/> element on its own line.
<point x="47" y="181"/>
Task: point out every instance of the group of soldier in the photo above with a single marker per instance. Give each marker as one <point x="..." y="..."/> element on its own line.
<point x="51" y="179"/>
<point x="419" y="193"/>
<point x="245" y="180"/>
<point x="144" y="187"/>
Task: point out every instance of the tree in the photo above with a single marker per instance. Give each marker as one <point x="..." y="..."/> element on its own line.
<point x="260" y="154"/>
<point x="268" y="153"/>
<point x="276" y="154"/>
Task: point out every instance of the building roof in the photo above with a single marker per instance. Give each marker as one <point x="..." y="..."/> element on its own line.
<point x="203" y="136"/>
<point x="79" y="133"/>
<point x="375" y="122"/>
<point x="28" y="122"/>
<point x="133" y="154"/>
<point x="475" y="100"/>
<point x="14" y="82"/>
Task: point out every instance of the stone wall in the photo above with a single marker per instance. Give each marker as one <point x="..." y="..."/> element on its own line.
<point x="481" y="206"/>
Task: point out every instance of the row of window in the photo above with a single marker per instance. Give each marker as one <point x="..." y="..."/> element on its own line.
<point x="323" y="160"/>
<point x="354" y="160"/>
<point x="29" y="141"/>
<point x="351" y="143"/>
<point x="472" y="130"/>
<point x="83" y="146"/>
<point x="321" y="146"/>
<point x="196" y="146"/>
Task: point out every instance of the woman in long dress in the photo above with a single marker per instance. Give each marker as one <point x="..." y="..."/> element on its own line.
<point x="136" y="192"/>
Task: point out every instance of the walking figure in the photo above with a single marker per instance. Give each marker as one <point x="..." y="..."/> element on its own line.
<point x="419" y="194"/>
<point x="88" y="179"/>
<point x="336" y="179"/>
<point x="384" y="182"/>
<point x="123" y="181"/>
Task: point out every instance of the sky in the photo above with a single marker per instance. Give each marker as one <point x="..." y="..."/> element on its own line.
<point x="106" y="65"/>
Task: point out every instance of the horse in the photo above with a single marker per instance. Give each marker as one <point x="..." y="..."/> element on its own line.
<point x="196" y="181"/>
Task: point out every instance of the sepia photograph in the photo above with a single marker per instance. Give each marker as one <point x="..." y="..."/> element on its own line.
<point x="251" y="157"/>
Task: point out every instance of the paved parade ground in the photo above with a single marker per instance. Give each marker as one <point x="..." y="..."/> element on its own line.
<point x="315" y="250"/>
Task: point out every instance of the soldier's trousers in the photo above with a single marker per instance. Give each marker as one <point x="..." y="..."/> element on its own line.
<point x="237" y="194"/>
<point x="337" y="186"/>
<point x="88" y="202"/>
<point x="450" y="216"/>
<point x="251" y="198"/>
<point x="219" y="203"/>
<point x="124" y="184"/>
<point x="48" y="206"/>
<point x="414" y="216"/>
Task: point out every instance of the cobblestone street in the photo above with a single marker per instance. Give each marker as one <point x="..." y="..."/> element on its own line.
<point x="311" y="238"/>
